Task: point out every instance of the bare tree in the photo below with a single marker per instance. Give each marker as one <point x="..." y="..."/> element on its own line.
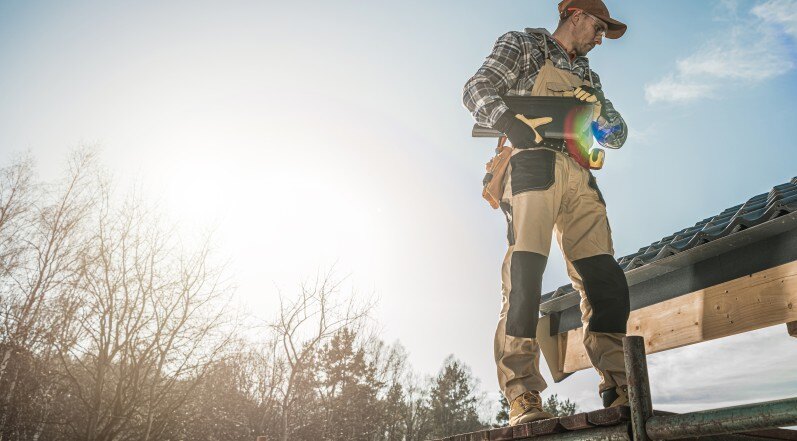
<point x="268" y="374"/>
<point x="303" y="326"/>
<point x="15" y="228"/>
<point x="15" y="204"/>
<point x="150" y="325"/>
<point x="112" y="330"/>
<point x="40" y="245"/>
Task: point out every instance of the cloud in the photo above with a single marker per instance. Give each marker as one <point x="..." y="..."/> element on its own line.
<point x="725" y="10"/>
<point x="753" y="51"/>
<point x="694" y="377"/>
<point x="779" y="12"/>
<point x="670" y="89"/>
<point x="744" y="57"/>
<point x="644" y="135"/>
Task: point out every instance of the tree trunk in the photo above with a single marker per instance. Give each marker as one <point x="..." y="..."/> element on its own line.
<point x="284" y="436"/>
<point x="4" y="363"/>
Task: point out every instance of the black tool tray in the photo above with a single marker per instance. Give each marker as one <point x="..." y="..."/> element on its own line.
<point x="571" y="117"/>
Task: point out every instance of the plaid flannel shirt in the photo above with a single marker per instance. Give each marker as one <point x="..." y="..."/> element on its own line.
<point x="511" y="69"/>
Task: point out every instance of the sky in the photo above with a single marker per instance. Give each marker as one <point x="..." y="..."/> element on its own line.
<point x="312" y="135"/>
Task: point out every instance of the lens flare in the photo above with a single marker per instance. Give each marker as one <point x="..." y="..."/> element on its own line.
<point x="578" y="137"/>
<point x="602" y="133"/>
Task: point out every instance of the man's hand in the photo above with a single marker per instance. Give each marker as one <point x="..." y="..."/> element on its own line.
<point x="521" y="131"/>
<point x="590" y="94"/>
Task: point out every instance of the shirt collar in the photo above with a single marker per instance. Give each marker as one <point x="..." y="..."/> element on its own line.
<point x="546" y="33"/>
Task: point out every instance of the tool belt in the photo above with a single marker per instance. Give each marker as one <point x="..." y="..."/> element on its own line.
<point x="493" y="181"/>
<point x="553" y="144"/>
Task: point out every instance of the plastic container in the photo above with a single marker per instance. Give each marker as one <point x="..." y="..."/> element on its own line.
<point x="572" y="118"/>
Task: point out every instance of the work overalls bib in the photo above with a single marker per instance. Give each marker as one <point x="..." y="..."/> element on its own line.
<point x="548" y="191"/>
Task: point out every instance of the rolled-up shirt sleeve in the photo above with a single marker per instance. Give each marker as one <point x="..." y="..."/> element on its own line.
<point x="612" y="131"/>
<point x="495" y="77"/>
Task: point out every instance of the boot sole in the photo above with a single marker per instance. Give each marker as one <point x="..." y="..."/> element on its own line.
<point x="532" y="416"/>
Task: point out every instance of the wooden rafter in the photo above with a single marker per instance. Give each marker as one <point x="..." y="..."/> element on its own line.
<point x="756" y="301"/>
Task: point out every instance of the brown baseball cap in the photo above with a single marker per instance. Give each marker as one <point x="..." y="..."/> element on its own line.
<point x="599" y="10"/>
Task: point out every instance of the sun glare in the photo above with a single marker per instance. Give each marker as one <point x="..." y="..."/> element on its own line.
<point x="281" y="225"/>
<point x="196" y="192"/>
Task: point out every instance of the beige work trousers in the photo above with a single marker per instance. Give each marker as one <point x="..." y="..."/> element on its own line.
<point x="553" y="194"/>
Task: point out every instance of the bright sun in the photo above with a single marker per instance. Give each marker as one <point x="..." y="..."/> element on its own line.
<point x="278" y="221"/>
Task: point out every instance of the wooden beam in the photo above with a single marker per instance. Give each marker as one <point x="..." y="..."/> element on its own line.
<point x="762" y="299"/>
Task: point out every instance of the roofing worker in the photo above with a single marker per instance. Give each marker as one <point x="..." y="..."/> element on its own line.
<point x="547" y="189"/>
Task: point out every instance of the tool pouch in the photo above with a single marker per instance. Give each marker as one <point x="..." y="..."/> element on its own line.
<point x="496" y="171"/>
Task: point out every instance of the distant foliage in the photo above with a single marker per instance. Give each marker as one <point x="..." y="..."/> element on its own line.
<point x="502" y="417"/>
<point x="112" y="330"/>
<point x="452" y="402"/>
<point x="559" y="408"/>
<point x="108" y="325"/>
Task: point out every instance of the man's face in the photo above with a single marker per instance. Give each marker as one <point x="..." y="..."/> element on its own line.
<point x="588" y="32"/>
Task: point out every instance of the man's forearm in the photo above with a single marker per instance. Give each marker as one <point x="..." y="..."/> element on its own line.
<point x="611" y="130"/>
<point x="483" y="101"/>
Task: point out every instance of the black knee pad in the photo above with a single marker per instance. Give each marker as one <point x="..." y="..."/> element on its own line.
<point x="607" y="292"/>
<point x="525" y="272"/>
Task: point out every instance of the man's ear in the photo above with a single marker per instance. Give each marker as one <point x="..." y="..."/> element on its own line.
<point x="574" y="16"/>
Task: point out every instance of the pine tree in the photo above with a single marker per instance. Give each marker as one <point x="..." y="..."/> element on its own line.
<point x="502" y="417"/>
<point x="349" y="389"/>
<point x="452" y="401"/>
<point x="559" y="408"/>
<point x="392" y="409"/>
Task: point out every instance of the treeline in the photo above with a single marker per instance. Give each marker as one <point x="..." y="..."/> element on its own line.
<point x="112" y="328"/>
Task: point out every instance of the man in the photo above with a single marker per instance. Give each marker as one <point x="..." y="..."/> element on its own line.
<point x="548" y="188"/>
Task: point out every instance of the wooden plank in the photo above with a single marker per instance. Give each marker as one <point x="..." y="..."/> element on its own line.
<point x="546" y="427"/>
<point x="482" y="435"/>
<point x="501" y="434"/>
<point x="522" y="431"/>
<point x="762" y="299"/>
<point x="474" y="436"/>
<point x="610" y="416"/>
<point x="578" y="421"/>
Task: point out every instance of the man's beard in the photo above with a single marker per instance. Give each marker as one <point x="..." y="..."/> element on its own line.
<point x="584" y="50"/>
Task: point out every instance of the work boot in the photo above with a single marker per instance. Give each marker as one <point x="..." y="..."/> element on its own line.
<point x="615" y="397"/>
<point x="527" y="408"/>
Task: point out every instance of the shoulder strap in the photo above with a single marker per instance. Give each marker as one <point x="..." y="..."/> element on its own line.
<point x="545" y="46"/>
<point x="589" y="72"/>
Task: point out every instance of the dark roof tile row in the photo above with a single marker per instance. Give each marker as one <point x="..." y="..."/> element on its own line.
<point x="765" y="207"/>
<point x="781" y="200"/>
